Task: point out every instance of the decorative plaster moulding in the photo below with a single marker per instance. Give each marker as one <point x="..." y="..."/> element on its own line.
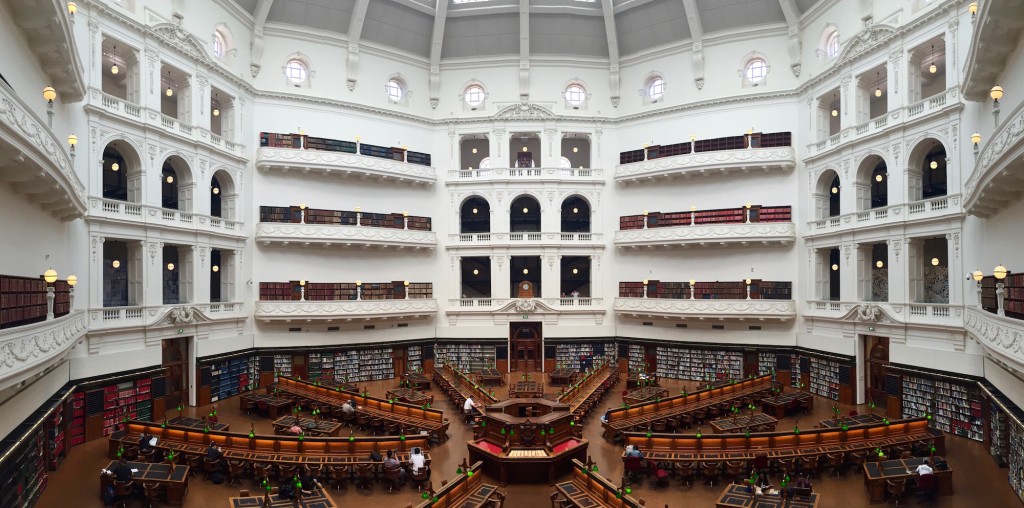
<point x="1001" y="336"/>
<point x="995" y="180"/>
<point x="118" y="319"/>
<point x="907" y="215"/>
<point x="343" y="164"/>
<point x="343" y="311"/>
<point x="898" y="316"/>
<point x="526" y="240"/>
<point x="717" y="310"/>
<point x="767" y="233"/>
<point x="573" y="176"/>
<point x="27" y="349"/>
<point x="501" y="311"/>
<point x="268" y="233"/>
<point x="49" y="35"/>
<point x="708" y="163"/>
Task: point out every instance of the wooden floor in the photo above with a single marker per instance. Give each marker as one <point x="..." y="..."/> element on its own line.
<point x="977" y="480"/>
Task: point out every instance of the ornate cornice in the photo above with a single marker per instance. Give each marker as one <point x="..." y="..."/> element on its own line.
<point x="35" y="347"/>
<point x="782" y="233"/>
<point x="286" y="233"/>
<point x="338" y="163"/>
<point x="993" y="169"/>
<point x="40" y="154"/>
<point x="286" y="311"/>
<point x="781" y="310"/>
<point x="1002" y="337"/>
<point x="709" y="163"/>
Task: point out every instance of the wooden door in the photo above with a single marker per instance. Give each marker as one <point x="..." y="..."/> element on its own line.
<point x="877" y="368"/>
<point x="173" y="355"/>
<point x="750" y="364"/>
<point x="299" y="366"/>
<point x="526" y="344"/>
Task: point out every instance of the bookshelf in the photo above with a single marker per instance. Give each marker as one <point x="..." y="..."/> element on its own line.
<point x="57" y="435"/>
<point x="414" y="358"/>
<point x="23" y="470"/>
<point x="955" y="407"/>
<point x="130" y="399"/>
<point x="363" y="364"/>
<point x="282" y="365"/>
<point x="276" y="291"/>
<point x="765" y="363"/>
<point x="998" y="428"/>
<point x="795" y="371"/>
<point x="756" y="140"/>
<point x="22" y="301"/>
<point x="76" y="429"/>
<point x="336" y="291"/>
<point x="320" y="365"/>
<point x="1015" y="442"/>
<point x="824" y="377"/>
<point x="759" y="289"/>
<point x="273" y="140"/>
<point x="232" y="376"/>
<point x="583" y="355"/>
<point x="698" y="364"/>
<point x="637" y="361"/>
<point x="465" y="357"/>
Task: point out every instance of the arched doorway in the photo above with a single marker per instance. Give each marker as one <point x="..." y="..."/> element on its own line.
<point x="525" y="346"/>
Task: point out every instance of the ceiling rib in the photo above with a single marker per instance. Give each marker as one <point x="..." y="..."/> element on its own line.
<point x="697" y="36"/>
<point x="524" y="50"/>
<point x="355" y="33"/>
<point x="256" y="47"/>
<point x="436" y="43"/>
<point x="613" y="51"/>
<point x="789" y="9"/>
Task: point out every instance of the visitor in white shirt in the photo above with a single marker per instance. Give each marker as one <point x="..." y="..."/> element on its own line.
<point x="470" y="407"/>
<point x="924" y="468"/>
<point x="416" y="460"/>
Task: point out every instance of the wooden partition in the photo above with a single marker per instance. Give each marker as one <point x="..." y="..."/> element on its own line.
<point x="266" y="448"/>
<point x="721" y="447"/>
<point x="587" y="488"/>
<point x="580" y="392"/>
<point x="460" y="489"/>
<point x="466" y="385"/>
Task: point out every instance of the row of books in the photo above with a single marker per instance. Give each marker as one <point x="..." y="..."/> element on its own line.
<point x="759" y="289"/>
<point x="23" y="300"/>
<point x="698" y="364"/>
<point x="338" y="291"/>
<point x="740" y="215"/>
<point x="754" y="140"/>
<point x="302" y="141"/>
<point x="293" y="214"/>
<point x="465" y="357"/>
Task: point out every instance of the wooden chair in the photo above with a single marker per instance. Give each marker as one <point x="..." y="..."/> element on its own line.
<point x="661" y="474"/>
<point x="837" y="463"/>
<point x="896" y="489"/>
<point x="243" y="492"/>
<point x="558" y="502"/>
<point x="339" y="475"/>
<point x="659" y="426"/>
<point x="249" y="405"/>
<point x="236" y="469"/>
<point x="737" y="470"/>
<point x="497" y="499"/>
<point x="786" y="466"/>
<point x="710" y="471"/>
<point x="153" y="491"/>
<point x="286" y="472"/>
<point x="147" y="455"/>
<point x="420" y="477"/>
<point x="262" y="470"/>
<point x="124" y="492"/>
<point x="633" y="468"/>
<point x="805" y="406"/>
<point x="686" y="421"/>
<point x="210" y="466"/>
<point x="362" y="421"/>
<point x="392" y="475"/>
<point x="364" y="474"/>
<point x="194" y="461"/>
<point x="686" y="471"/>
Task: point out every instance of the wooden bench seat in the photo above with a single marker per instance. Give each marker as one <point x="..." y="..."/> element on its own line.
<point x="588" y="488"/>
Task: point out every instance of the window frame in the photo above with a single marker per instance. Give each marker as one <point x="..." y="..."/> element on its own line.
<point x="288" y="70"/>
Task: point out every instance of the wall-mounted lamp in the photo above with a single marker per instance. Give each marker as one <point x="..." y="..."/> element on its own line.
<point x="996" y="94"/>
<point x="170" y="266"/>
<point x="72" y="141"/>
<point x="526" y="271"/>
<point x="973" y="9"/>
<point x="879" y="263"/>
<point x="935" y="261"/>
<point x="976" y="139"/>
<point x="215" y="269"/>
<point x="116" y="264"/>
<point x="49" y="94"/>
<point x="835" y="267"/>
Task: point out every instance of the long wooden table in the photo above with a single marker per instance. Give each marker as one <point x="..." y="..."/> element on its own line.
<point x="344" y="386"/>
<point x="583" y="395"/>
<point x="876" y="474"/>
<point x="587" y="489"/>
<point x="742" y="423"/>
<point x="195" y="423"/>
<point x="417" y="380"/>
<point x="275" y="405"/>
<point x="780" y="405"/>
<point x="408" y="416"/>
<point x="778" y="445"/>
<point x="636" y="380"/>
<point x="526" y="389"/>
<point x="467" y="490"/>
<point x="490" y="376"/>
<point x="309" y="426"/>
<point x="642" y="415"/>
<point x="326" y="451"/>
<point x="409" y="395"/>
<point x="318" y="499"/>
<point x="561" y="376"/>
<point x="850" y="421"/>
<point x="736" y="496"/>
<point x="174" y="479"/>
<point x="644" y="394"/>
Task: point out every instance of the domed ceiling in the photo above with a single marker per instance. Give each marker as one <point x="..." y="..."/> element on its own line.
<point x="486" y="28"/>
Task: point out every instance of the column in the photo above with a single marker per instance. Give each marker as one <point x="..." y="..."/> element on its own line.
<point x="497" y="143"/>
<point x="151" y="92"/>
<point x="551" y="147"/>
<point x="200" y="273"/>
<point x="952" y="67"/>
<point x="914" y="271"/>
<point x="501" y="277"/>
<point x="200" y="98"/>
<point x="847" y="273"/>
<point x="895" y="79"/>
<point x="551" y="276"/>
<point x="142" y="286"/>
<point x="955" y="269"/>
<point x="97" y="281"/>
<point x="897" y="269"/>
<point x="848" y="99"/>
<point x="230" y="272"/>
<point x="95" y="54"/>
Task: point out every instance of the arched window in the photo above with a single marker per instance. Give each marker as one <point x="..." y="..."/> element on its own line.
<point x="219" y="45"/>
<point x="575" y="95"/>
<point x="832" y="45"/>
<point x="394" y="89"/>
<point x="655" y="88"/>
<point x="756" y="70"/>
<point x="296" y="71"/>
<point x="474" y="96"/>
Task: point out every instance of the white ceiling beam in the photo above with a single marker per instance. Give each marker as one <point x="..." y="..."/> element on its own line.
<point x="613" y="51"/>
<point x="256" y="46"/>
<point x="355" y="33"/>
<point x="436" y="43"/>
<point x="524" y="50"/>
<point x="697" y="37"/>
<point x="484" y="10"/>
<point x="789" y="9"/>
<point x="416" y="6"/>
<point x="630" y="4"/>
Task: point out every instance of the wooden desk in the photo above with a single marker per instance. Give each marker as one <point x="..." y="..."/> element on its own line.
<point x="742" y="423"/>
<point x="464" y="491"/>
<point x="588" y="489"/>
<point x="876" y="474"/>
<point x="417" y="380"/>
<point x="339" y="385"/>
<point x="318" y="499"/>
<point x="587" y="392"/>
<point x="490" y="377"/>
<point x="636" y="380"/>
<point x="790" y="402"/>
<point x="850" y="421"/>
<point x="526" y="390"/>
<point x="644" y="394"/>
<point x="275" y="405"/>
<point x="561" y="376"/>
<point x="309" y="426"/>
<point x="736" y="496"/>
<point x="195" y="423"/>
<point x="174" y="480"/>
<point x="410" y="395"/>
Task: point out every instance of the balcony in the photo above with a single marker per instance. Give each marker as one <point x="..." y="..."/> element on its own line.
<point x="281" y="233"/>
<point x="500" y="311"/>
<point x="550" y="239"/>
<point x="996" y="181"/>
<point x="159" y="316"/>
<point x="997" y="28"/>
<point x="35" y="162"/>
<point x="339" y="311"/>
<point x="49" y="35"/>
<point x="123" y="212"/>
<point x="33" y="348"/>
<point x="343" y="164"/>
<point x="112" y="106"/>
<point x="1002" y="337"/>
<point x="942" y="102"/>
<point x="722" y="162"/>
<point x="757" y="233"/>
<point x="525" y="175"/>
<point x="701" y="309"/>
<point x="940" y="208"/>
<point x="930" y="315"/>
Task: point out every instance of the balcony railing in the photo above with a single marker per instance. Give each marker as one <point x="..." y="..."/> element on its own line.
<point x="489" y="304"/>
<point x="524" y="239"/>
<point x="995" y="181"/>
<point x="1002" y="337"/>
<point x="120" y="108"/>
<point x="932" y="208"/>
<point x="524" y="174"/>
<point x="760" y="310"/>
<point x="122" y="212"/>
<point x="104" y="318"/>
<point x="895" y="118"/>
<point x="33" y="348"/>
<point x="344" y="164"/>
<point x="709" y="163"/>
<point x="925" y="314"/>
<point x="340" y="310"/>
<point x="284" y="233"/>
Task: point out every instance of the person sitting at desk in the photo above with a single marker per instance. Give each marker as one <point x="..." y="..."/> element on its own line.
<point x="470" y="407"/>
<point x="348" y="407"/>
<point x="144" y="442"/>
<point x="802" y="482"/>
<point x="214" y="452"/>
<point x="634" y="451"/>
<point x="604" y="418"/>
<point x="121" y="472"/>
<point x="391" y="462"/>
<point x="309" y="483"/>
<point x="924" y="468"/>
<point x="295" y="429"/>
<point x="416" y="460"/>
